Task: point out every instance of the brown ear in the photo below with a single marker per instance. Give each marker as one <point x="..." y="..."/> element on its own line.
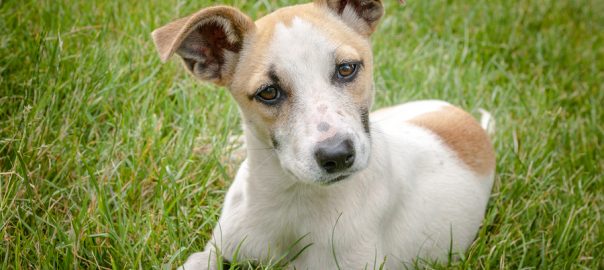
<point x="208" y="42"/>
<point x="361" y="15"/>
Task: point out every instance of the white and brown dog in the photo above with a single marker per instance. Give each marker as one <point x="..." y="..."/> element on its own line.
<point x="326" y="185"/>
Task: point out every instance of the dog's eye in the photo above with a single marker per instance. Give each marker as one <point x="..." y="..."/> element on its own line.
<point x="269" y="94"/>
<point x="346" y="71"/>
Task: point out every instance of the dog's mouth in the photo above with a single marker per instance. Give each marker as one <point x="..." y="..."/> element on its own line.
<point x="327" y="180"/>
<point x="334" y="180"/>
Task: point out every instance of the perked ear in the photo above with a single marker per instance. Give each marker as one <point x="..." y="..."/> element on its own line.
<point x="208" y="42"/>
<point x="362" y="15"/>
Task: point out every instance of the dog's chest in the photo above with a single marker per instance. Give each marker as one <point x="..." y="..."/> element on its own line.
<point x="290" y="221"/>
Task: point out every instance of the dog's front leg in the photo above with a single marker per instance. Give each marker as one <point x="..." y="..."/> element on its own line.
<point x="207" y="259"/>
<point x="220" y="243"/>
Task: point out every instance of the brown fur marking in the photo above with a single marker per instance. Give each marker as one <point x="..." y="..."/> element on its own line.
<point x="460" y="132"/>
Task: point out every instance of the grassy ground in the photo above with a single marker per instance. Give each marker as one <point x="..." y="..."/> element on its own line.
<point x="109" y="159"/>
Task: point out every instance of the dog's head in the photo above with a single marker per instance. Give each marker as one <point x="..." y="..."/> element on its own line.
<point x="302" y="77"/>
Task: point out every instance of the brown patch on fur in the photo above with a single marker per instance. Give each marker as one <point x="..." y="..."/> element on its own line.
<point x="252" y="67"/>
<point x="460" y="131"/>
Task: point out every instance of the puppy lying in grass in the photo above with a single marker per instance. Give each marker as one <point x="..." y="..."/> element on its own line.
<point x="325" y="184"/>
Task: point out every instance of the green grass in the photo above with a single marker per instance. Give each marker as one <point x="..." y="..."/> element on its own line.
<point x="109" y="159"/>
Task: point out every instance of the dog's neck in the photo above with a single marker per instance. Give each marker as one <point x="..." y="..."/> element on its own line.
<point x="262" y="159"/>
<point x="258" y="151"/>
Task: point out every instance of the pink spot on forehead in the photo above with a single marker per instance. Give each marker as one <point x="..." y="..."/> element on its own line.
<point x="322" y="108"/>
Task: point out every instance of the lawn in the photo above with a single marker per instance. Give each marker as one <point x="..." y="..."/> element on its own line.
<point x="110" y="159"/>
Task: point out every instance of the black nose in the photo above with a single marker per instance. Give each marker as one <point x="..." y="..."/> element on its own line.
<point x="335" y="154"/>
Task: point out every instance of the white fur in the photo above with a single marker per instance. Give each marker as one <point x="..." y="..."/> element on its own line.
<point x="486" y="121"/>
<point x="414" y="195"/>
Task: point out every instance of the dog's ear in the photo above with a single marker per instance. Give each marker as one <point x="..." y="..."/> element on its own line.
<point x="209" y="42"/>
<point x="362" y="15"/>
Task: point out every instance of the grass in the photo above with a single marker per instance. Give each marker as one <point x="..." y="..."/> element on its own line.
<point x="109" y="159"/>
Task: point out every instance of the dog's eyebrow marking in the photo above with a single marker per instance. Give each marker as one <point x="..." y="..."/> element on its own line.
<point x="323" y="127"/>
<point x="365" y="120"/>
<point x="272" y="74"/>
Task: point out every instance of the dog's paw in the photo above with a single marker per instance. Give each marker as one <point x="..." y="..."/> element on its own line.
<point x="200" y="261"/>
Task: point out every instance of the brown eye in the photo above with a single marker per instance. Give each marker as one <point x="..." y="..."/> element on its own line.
<point x="346" y="70"/>
<point x="269" y="95"/>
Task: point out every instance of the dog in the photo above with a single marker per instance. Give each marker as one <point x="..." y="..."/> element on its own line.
<point x="326" y="185"/>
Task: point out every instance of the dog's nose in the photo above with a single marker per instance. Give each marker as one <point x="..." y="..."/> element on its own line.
<point x="335" y="154"/>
